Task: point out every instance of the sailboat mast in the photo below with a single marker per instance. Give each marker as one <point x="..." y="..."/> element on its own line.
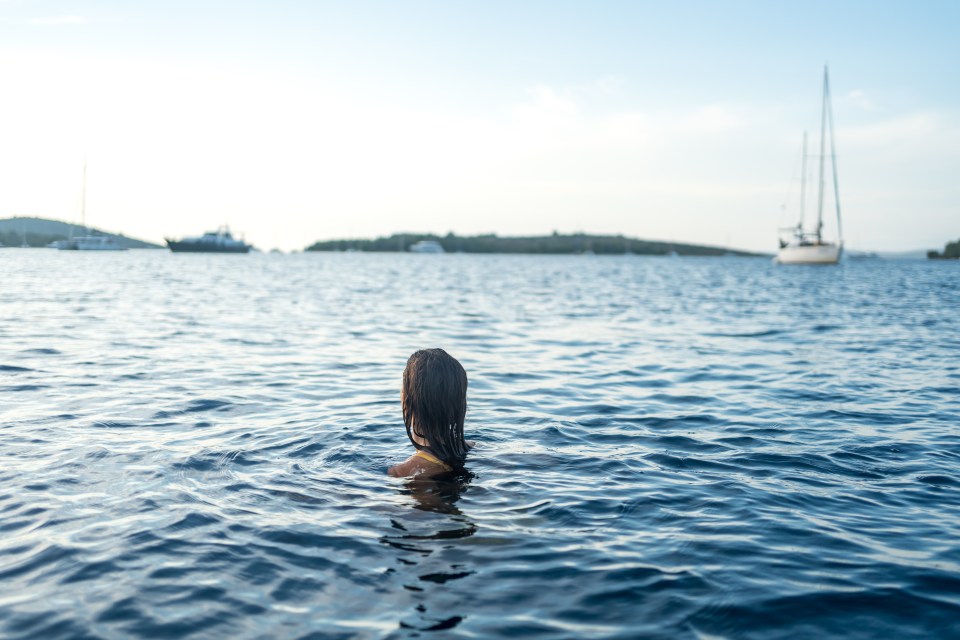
<point x="833" y="164"/>
<point x="823" y="125"/>
<point x="803" y="182"/>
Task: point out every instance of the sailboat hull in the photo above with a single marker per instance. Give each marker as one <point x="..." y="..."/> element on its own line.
<point x="810" y="254"/>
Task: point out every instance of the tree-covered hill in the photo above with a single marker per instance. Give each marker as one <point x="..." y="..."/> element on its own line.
<point x="40" y="232"/>
<point x="552" y="244"/>
<point x="950" y="252"/>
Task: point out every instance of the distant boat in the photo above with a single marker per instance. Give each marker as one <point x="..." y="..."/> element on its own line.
<point x="219" y="241"/>
<point x="809" y="247"/>
<point x="427" y="246"/>
<point x="88" y="241"/>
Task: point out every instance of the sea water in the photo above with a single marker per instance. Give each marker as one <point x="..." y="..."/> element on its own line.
<point x="196" y="445"/>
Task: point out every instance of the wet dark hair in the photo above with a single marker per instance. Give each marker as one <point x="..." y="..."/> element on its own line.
<point x="435" y="404"/>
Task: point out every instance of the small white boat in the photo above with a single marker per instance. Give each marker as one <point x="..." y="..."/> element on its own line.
<point x="89" y="243"/>
<point x="427" y="246"/>
<point x="809" y="247"/>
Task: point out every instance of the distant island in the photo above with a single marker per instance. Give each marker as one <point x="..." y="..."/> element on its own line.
<point x="552" y="244"/>
<point x="950" y="252"/>
<point x="40" y="232"/>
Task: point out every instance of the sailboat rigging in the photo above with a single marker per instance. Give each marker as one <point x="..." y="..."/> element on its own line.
<point x="88" y="241"/>
<point x="809" y="247"/>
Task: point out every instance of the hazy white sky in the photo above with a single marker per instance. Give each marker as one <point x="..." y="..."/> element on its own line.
<point x="298" y="121"/>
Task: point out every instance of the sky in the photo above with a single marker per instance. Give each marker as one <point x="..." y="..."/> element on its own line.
<point x="295" y="121"/>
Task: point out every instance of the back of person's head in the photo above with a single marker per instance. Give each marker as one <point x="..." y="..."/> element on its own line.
<point x="435" y="404"/>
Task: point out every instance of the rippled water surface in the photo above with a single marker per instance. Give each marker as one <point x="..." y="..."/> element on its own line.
<point x="676" y="448"/>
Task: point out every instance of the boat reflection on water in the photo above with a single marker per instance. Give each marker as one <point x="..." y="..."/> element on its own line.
<point x="430" y="555"/>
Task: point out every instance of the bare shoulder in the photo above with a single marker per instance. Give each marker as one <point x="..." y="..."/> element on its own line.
<point x="412" y="466"/>
<point x="404" y="469"/>
<point x="416" y="466"/>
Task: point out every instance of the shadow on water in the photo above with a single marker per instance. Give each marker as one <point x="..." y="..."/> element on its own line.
<point x="428" y="555"/>
<point x="439" y="495"/>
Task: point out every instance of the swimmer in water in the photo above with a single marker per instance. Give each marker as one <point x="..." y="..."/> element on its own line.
<point x="434" y="401"/>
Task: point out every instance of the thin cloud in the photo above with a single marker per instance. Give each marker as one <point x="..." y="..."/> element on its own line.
<point x="906" y="128"/>
<point x="860" y="99"/>
<point x="709" y="119"/>
<point x="569" y="118"/>
<point x="57" y="20"/>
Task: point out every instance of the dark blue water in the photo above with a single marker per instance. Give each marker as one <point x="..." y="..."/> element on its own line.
<point x="669" y="448"/>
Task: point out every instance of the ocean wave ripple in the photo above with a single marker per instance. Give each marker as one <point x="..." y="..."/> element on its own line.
<point x="196" y="446"/>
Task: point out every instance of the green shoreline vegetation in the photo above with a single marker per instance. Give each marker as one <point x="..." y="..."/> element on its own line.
<point x="40" y="232"/>
<point x="950" y="252"/>
<point x="552" y="244"/>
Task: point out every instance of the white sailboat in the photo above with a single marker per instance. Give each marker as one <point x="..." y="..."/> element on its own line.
<point x="809" y="247"/>
<point x="87" y="242"/>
